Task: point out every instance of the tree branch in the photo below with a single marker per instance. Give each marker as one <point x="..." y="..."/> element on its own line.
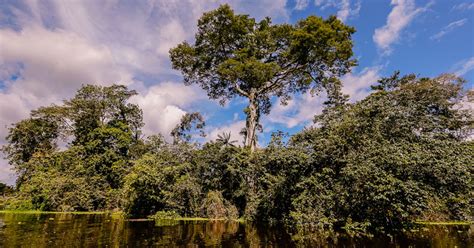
<point x="237" y="87"/>
<point x="271" y="84"/>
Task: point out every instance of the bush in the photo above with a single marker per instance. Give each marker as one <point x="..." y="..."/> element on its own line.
<point x="164" y="215"/>
<point x="215" y="206"/>
<point x="17" y="203"/>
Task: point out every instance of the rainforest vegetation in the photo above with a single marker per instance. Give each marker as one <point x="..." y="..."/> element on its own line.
<point x="402" y="154"/>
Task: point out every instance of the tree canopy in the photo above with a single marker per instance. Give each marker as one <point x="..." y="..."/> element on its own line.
<point x="401" y="154"/>
<point x="235" y="56"/>
<point x="101" y="132"/>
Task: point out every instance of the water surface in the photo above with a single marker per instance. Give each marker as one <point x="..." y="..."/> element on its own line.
<point x="103" y="230"/>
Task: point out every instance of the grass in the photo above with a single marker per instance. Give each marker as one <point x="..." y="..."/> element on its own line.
<point x="194" y="219"/>
<point x="241" y="220"/>
<point x="113" y="214"/>
<point x="48" y="212"/>
<point x="202" y="219"/>
<point x="445" y="223"/>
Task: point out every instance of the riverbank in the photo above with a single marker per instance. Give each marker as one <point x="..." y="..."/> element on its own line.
<point x="92" y="229"/>
<point x="445" y="223"/>
<point x="116" y="214"/>
<point x="241" y="220"/>
<point x="53" y="212"/>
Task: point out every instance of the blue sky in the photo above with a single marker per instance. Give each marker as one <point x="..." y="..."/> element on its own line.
<point x="49" y="48"/>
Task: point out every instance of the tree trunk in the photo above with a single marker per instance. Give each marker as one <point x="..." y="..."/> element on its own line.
<point x="252" y="122"/>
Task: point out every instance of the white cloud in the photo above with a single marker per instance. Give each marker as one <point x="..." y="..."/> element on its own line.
<point x="402" y="14"/>
<point x="235" y="116"/>
<point x="139" y="34"/>
<point x="301" y="4"/>
<point x="163" y="106"/>
<point x="298" y="111"/>
<point x="357" y="86"/>
<point x="12" y="109"/>
<point x="463" y="6"/>
<point x="345" y="8"/>
<point x="49" y="67"/>
<point x="59" y="59"/>
<point x="448" y="28"/>
<point x="234" y="129"/>
<point x="303" y="108"/>
<point x="259" y="9"/>
<point x="168" y="41"/>
<point x="6" y="173"/>
<point x="463" y="67"/>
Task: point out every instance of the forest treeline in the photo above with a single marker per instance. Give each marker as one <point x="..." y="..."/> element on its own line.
<point x="404" y="153"/>
<point x="397" y="156"/>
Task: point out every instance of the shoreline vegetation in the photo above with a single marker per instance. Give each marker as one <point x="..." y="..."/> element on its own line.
<point x="405" y="152"/>
<point x="121" y="215"/>
<point x="178" y="218"/>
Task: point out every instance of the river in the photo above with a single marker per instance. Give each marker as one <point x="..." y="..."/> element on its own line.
<point x="105" y="230"/>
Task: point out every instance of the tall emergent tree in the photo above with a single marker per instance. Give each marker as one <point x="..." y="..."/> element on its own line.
<point x="234" y="55"/>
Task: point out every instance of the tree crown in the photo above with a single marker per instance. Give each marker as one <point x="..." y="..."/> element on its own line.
<point x="234" y="55"/>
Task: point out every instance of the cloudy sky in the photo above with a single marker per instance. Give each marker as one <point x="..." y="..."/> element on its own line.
<point x="48" y="49"/>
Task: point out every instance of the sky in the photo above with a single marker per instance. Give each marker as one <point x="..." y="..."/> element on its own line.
<point x="48" y="49"/>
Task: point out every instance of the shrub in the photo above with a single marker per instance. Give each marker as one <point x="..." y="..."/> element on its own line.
<point x="215" y="206"/>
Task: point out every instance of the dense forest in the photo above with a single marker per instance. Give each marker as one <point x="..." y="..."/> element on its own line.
<point x="402" y="154"/>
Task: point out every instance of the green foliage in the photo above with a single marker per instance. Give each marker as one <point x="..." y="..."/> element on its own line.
<point x="6" y="189"/>
<point x="215" y="206"/>
<point x="234" y="55"/>
<point x="396" y="156"/>
<point x="16" y="203"/>
<point x="182" y="131"/>
<point x="60" y="183"/>
<point x="161" y="182"/>
<point x="104" y="131"/>
<point x="164" y="215"/>
<point x="225" y="141"/>
<point x="25" y="138"/>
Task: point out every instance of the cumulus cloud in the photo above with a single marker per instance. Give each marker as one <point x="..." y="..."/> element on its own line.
<point x="345" y="10"/>
<point x="275" y="9"/>
<point x="357" y="85"/>
<point x="41" y="67"/>
<point x="448" y="28"/>
<point x="59" y="60"/>
<point x="303" y="108"/>
<point x="12" y="108"/>
<point x="298" y="111"/>
<point x="402" y="14"/>
<point x="234" y="129"/>
<point x="163" y="106"/>
<point x="6" y="174"/>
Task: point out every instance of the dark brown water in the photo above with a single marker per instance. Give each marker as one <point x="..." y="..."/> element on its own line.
<point x="102" y="230"/>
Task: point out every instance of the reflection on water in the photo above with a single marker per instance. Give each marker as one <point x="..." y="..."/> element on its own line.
<point x="102" y="230"/>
